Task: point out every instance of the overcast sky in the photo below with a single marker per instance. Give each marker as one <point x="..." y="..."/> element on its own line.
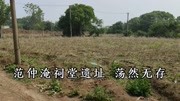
<point x="110" y="11"/>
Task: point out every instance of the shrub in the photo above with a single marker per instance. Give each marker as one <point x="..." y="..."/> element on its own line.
<point x="54" y="87"/>
<point x="99" y="94"/>
<point x="138" y="87"/>
<point x="114" y="67"/>
<point x="10" y="68"/>
<point x="141" y="33"/>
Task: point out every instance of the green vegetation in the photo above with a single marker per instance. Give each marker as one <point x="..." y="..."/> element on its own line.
<point x="54" y="87"/>
<point x="49" y="26"/>
<point x="99" y="94"/>
<point x="73" y="93"/>
<point x="4" y="14"/>
<point x="153" y="24"/>
<point x="118" y="27"/>
<point x="114" y="67"/>
<point x="34" y="20"/>
<point x="10" y="68"/>
<point x="82" y="18"/>
<point x="84" y="22"/>
<point x="138" y="87"/>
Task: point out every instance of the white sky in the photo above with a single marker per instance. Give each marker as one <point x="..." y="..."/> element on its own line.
<point x="108" y="10"/>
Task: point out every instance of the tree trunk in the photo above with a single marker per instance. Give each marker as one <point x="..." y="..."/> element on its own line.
<point x="1" y="32"/>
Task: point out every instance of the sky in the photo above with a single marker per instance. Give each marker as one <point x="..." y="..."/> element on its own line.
<point x="111" y="11"/>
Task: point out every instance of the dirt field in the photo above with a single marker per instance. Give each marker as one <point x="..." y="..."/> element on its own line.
<point x="50" y="51"/>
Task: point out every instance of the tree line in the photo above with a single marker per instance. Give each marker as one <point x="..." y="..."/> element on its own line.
<point x="153" y="24"/>
<point x="80" y="19"/>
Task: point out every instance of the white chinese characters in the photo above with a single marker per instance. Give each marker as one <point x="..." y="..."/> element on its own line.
<point x="87" y="73"/>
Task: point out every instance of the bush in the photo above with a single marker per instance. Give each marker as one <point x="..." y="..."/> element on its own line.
<point x="54" y="87"/>
<point x="138" y="87"/>
<point x="10" y="68"/>
<point x="99" y="94"/>
<point x="141" y="33"/>
<point x="178" y="35"/>
<point x="114" y="67"/>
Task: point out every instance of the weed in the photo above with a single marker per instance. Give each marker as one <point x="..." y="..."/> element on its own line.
<point x="73" y="93"/>
<point x="30" y="61"/>
<point x="54" y="87"/>
<point x="114" y="67"/>
<point x="99" y="94"/>
<point x="10" y="68"/>
<point x="138" y="87"/>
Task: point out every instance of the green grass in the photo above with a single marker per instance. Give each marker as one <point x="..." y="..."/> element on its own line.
<point x="10" y="68"/>
<point x="99" y="94"/>
<point x="114" y="67"/>
<point x="139" y="87"/>
<point x="73" y="93"/>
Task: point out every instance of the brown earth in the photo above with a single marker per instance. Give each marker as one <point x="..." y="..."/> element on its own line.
<point x="49" y="51"/>
<point x="11" y="90"/>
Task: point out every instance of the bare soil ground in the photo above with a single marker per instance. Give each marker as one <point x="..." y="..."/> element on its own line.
<point x="11" y="90"/>
<point x="82" y="51"/>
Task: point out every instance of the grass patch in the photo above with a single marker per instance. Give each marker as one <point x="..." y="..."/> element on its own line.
<point x="139" y="87"/>
<point x="73" y="93"/>
<point x="54" y="87"/>
<point x="10" y="68"/>
<point x="114" y="67"/>
<point x="30" y="61"/>
<point x="99" y="94"/>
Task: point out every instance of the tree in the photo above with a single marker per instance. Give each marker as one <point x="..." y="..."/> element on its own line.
<point x="4" y="14"/>
<point x="96" y="28"/>
<point x="148" y="19"/>
<point x="134" y="24"/>
<point x="24" y="23"/>
<point x="178" y="26"/>
<point x="163" y="29"/>
<point x="56" y="26"/>
<point x="82" y="16"/>
<point x="178" y="19"/>
<point x="116" y="28"/>
<point x="48" y="26"/>
<point x="156" y="24"/>
<point x="36" y="16"/>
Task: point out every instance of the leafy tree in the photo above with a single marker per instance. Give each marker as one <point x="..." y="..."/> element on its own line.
<point x="4" y="14"/>
<point x="178" y="25"/>
<point x="56" y="26"/>
<point x="156" y="24"/>
<point x="36" y="16"/>
<point x="48" y="26"/>
<point x="96" y="28"/>
<point x="24" y="23"/>
<point x="178" y="19"/>
<point x="163" y="29"/>
<point x="82" y="16"/>
<point x="116" y="28"/>
<point x="134" y="24"/>
<point x="148" y="19"/>
<point x="8" y="22"/>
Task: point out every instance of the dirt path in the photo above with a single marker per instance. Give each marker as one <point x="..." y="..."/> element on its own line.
<point x="11" y="90"/>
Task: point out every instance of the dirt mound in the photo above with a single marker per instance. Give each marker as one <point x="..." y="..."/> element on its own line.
<point x="167" y="89"/>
